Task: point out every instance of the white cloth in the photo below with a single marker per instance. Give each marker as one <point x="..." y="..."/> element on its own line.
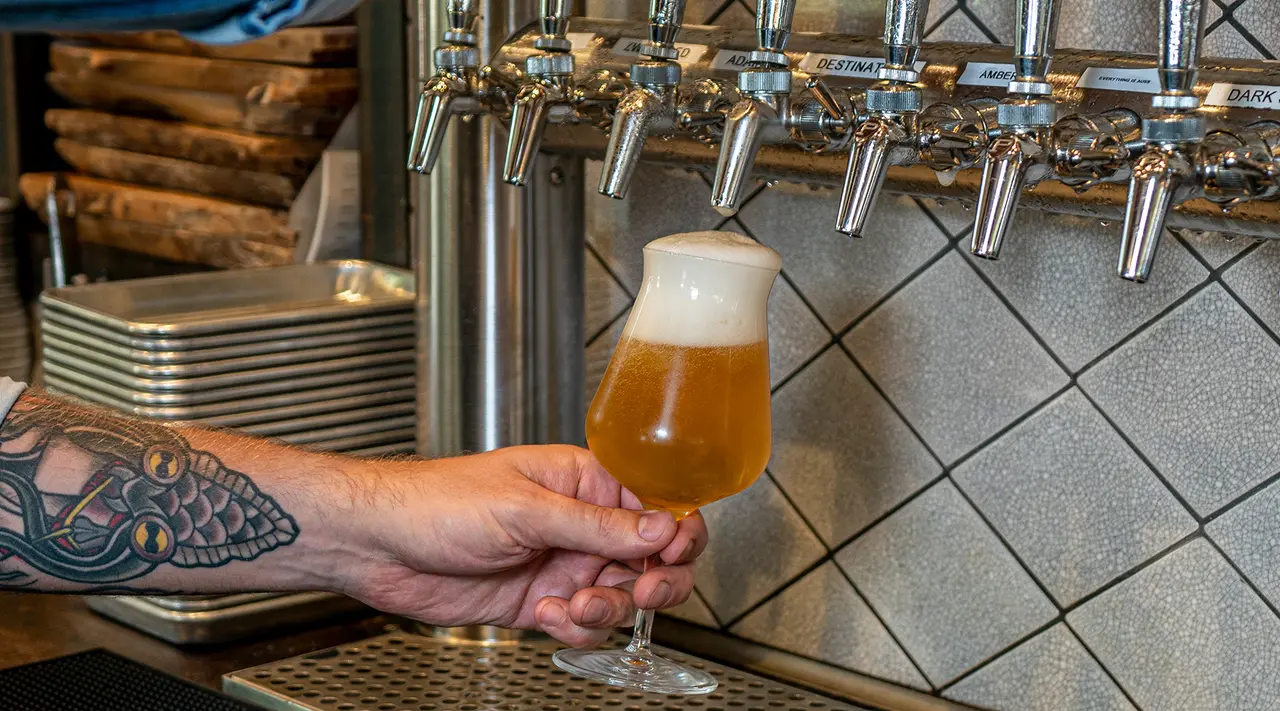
<point x="10" y="391"/>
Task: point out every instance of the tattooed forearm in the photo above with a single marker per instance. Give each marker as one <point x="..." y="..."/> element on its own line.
<point x="94" y="500"/>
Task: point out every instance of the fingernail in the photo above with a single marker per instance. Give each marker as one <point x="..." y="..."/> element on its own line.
<point x="651" y="525"/>
<point x="595" y="612"/>
<point x="687" y="554"/>
<point x="661" y="595"/>
<point x="553" y="614"/>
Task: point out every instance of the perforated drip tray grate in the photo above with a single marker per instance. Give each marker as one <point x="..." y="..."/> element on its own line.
<point x="402" y="672"/>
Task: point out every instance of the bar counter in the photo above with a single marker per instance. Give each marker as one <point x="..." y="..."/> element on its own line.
<point x="38" y="627"/>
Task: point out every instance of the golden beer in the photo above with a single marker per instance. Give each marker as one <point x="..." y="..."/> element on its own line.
<point x="682" y="426"/>
<point x="682" y="414"/>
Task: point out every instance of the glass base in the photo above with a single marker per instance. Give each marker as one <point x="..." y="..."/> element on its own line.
<point x="644" y="671"/>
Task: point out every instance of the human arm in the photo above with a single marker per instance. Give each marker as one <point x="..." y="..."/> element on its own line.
<point x="91" y="501"/>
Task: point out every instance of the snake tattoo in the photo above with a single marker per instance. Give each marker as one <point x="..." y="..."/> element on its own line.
<point x="148" y="499"/>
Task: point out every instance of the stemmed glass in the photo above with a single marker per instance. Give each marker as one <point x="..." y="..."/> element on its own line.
<point x="682" y="415"/>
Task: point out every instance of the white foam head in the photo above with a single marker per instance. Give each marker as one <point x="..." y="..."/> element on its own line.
<point x="704" y="289"/>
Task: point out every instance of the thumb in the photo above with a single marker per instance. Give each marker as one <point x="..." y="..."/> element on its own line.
<point x="614" y="533"/>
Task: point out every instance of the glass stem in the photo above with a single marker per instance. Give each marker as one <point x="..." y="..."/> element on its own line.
<point x="644" y="619"/>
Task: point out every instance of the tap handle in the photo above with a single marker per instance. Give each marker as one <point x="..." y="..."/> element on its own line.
<point x="903" y="26"/>
<point x="553" y="17"/>
<point x="1036" y="30"/>
<point x="827" y="99"/>
<point x="1181" y="30"/>
<point x="463" y="15"/>
<point x="665" y="18"/>
<point x="773" y="23"/>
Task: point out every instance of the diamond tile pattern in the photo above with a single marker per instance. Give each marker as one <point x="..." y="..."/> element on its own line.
<point x="1249" y="535"/>
<point x="760" y="543"/>
<point x="944" y="584"/>
<point x="1186" y="634"/>
<point x="953" y="359"/>
<point x="1073" y="500"/>
<point x="843" y="278"/>
<point x="1076" y="498"/>
<point x="843" y="472"/>
<point x="1212" y="433"/>
<point x="694" y="610"/>
<point x="823" y="618"/>
<point x="1059" y="275"/>
<point x="1049" y="672"/>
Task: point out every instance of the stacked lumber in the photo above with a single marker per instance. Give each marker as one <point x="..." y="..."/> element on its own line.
<point x="194" y="153"/>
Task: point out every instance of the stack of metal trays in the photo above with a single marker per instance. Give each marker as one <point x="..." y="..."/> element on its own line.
<point x="317" y="355"/>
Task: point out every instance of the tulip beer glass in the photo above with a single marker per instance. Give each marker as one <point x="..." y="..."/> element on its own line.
<point x="682" y="416"/>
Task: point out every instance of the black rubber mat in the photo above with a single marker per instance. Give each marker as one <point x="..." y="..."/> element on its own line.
<point x="99" y="680"/>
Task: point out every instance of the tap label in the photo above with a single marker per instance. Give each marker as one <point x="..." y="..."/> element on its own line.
<point x="580" y="40"/>
<point x="1145" y="81"/>
<point x="1245" y="96"/>
<point x="688" y="53"/>
<point x="987" y="74"/>
<point x="731" y="59"/>
<point x="841" y="65"/>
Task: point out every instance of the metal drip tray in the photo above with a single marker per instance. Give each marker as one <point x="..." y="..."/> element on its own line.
<point x="403" y="672"/>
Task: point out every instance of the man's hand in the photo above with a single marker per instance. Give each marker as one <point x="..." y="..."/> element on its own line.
<point x="521" y="537"/>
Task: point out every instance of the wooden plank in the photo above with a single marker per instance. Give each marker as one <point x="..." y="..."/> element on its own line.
<point x="300" y="45"/>
<point x="182" y="246"/>
<point x="211" y="146"/>
<point x="125" y="202"/>
<point x="176" y="174"/>
<point x="197" y="106"/>
<point x="259" y="82"/>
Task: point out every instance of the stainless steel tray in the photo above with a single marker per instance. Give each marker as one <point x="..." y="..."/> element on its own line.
<point x="384" y="450"/>
<point x="406" y="672"/>
<point x="364" y="441"/>
<point x="318" y="423"/>
<point x="69" y="351"/>
<point x="302" y="347"/>
<point x="251" y="410"/>
<point x="295" y="387"/>
<point x="237" y="299"/>
<point x="340" y="433"/>
<point x="267" y="380"/>
<point x="198" y="603"/>
<point x="226" y="624"/>
<point x="263" y="338"/>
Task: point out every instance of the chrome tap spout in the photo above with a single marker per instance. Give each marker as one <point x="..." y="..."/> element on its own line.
<point x="549" y="75"/>
<point x="457" y="63"/>
<point x="641" y="112"/>
<point x="745" y="128"/>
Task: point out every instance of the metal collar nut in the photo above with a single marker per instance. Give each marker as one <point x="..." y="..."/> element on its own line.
<point x="457" y="57"/>
<point x="656" y="73"/>
<point x="1031" y="113"/>
<point x="456" y="37"/>
<point x="550" y="63"/>
<point x="764" y="81"/>
<point x="657" y="51"/>
<point x="1173" y="128"/>
<point x="553" y="42"/>
<point x="894" y="99"/>
<point x="1179" y="102"/>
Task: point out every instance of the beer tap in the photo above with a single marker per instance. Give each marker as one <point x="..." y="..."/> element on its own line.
<point x="451" y="90"/>
<point x="1020" y="154"/>
<point x="1166" y="172"/>
<point x="650" y="105"/>
<point x="887" y="136"/>
<point x="764" y="112"/>
<point x="1094" y="148"/>
<point x="953" y="136"/>
<point x="1241" y="164"/>
<point x="546" y="94"/>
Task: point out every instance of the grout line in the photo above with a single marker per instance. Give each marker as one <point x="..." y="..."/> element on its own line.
<point x="937" y="222"/>
<point x="893" y="291"/>
<point x="781" y="588"/>
<point x="1044" y="590"/>
<point x="982" y="26"/>
<point x="1124" y="436"/>
<point x="1130" y="573"/>
<point x="591" y="341"/>
<point x="790" y="502"/>
<point x="835" y="550"/>
<point x="800" y="368"/>
<point x="750" y="10"/>
<point x="714" y="617"/>
<point x="1017" y="316"/>
<point x="876" y="613"/>
<point x="1123" y="691"/>
<point x="1013" y="424"/>
<point x="1248" y="36"/>
<point x="1223" y="13"/>
<point x="716" y="13"/>
<point x="996" y="655"/>
<point x="1247" y="581"/>
<point x="1249" y="494"/>
<point x="608" y="269"/>
<point x="1144" y="327"/>
<point x="945" y="16"/>
<point x="892" y="405"/>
